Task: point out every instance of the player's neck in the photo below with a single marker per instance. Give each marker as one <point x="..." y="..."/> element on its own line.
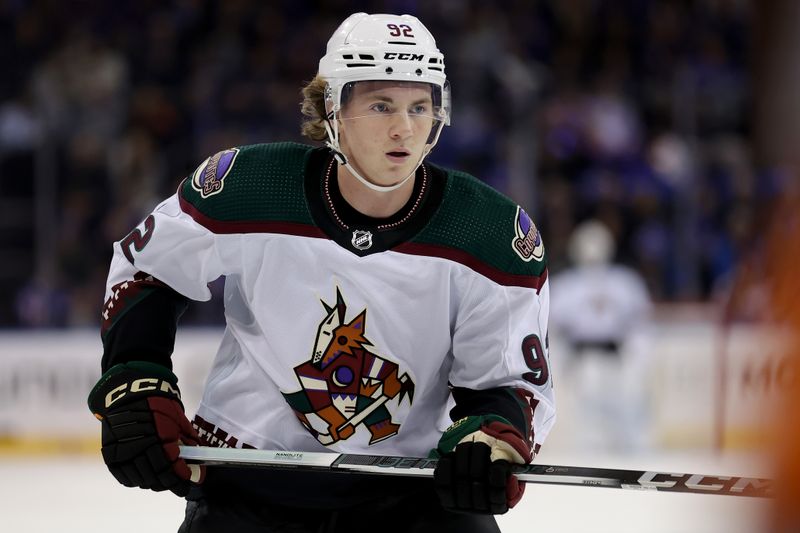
<point x="372" y="203"/>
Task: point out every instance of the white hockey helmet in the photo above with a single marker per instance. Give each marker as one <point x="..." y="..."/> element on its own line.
<point x="382" y="48"/>
<point x="591" y="243"/>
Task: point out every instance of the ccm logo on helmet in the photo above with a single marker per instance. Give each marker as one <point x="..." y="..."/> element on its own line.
<point x="404" y="56"/>
<point x="140" y="385"/>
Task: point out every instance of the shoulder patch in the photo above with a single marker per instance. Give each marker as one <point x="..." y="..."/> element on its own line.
<point x="527" y="241"/>
<point x="208" y="178"/>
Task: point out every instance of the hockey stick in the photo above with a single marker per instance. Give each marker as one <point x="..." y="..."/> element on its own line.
<point x="549" y="474"/>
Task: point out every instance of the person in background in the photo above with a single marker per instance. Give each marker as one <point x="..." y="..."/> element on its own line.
<point x="600" y="310"/>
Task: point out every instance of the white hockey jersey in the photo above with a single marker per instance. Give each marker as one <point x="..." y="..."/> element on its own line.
<point x="343" y="331"/>
<point x="599" y="303"/>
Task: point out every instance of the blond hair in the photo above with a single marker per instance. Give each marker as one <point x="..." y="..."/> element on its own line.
<point x="313" y="109"/>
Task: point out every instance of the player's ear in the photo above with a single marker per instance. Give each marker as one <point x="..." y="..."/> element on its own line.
<point x="342" y="128"/>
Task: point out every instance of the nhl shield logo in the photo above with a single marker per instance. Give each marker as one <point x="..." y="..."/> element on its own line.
<point x="362" y="239"/>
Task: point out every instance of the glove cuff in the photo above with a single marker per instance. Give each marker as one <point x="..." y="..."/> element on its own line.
<point x="129" y="382"/>
<point x="505" y="441"/>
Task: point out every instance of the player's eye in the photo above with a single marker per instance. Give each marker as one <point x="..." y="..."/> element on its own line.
<point x="419" y="109"/>
<point x="380" y="107"/>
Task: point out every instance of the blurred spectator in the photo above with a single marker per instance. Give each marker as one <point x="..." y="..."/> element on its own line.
<point x="635" y="113"/>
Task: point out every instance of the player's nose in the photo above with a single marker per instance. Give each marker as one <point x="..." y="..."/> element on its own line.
<point x="401" y="126"/>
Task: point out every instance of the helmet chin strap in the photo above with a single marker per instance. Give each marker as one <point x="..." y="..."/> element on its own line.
<point x="333" y="144"/>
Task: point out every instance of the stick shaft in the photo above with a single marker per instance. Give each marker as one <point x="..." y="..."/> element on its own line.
<point x="546" y="474"/>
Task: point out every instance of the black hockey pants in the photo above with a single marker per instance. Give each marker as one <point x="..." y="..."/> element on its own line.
<point x="415" y="513"/>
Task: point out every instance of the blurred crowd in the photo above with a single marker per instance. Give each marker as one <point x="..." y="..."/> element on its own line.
<point x="636" y="113"/>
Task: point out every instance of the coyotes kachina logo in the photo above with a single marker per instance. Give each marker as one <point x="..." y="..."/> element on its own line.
<point x="345" y="385"/>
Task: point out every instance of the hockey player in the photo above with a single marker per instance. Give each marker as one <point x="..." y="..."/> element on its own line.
<point x="601" y="311"/>
<point x="366" y="291"/>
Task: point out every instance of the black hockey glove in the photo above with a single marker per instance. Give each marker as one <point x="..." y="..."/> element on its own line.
<point x="473" y="473"/>
<point x="143" y="423"/>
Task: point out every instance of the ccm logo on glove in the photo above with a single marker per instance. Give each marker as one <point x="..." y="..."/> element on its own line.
<point x="140" y="385"/>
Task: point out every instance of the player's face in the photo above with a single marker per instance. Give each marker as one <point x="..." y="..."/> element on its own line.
<point x="384" y="128"/>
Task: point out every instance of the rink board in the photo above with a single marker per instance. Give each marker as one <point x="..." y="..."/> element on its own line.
<point x="45" y="378"/>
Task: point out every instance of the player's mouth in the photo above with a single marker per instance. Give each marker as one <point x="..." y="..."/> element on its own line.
<point x="398" y="155"/>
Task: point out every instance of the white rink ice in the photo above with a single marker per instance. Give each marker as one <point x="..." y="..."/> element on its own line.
<point x="76" y="494"/>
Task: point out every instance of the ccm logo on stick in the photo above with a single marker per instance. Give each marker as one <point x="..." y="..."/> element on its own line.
<point x="697" y="482"/>
<point x="140" y="385"/>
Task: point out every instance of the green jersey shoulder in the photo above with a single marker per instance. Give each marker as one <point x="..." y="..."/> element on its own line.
<point x="485" y="224"/>
<point x="255" y="183"/>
